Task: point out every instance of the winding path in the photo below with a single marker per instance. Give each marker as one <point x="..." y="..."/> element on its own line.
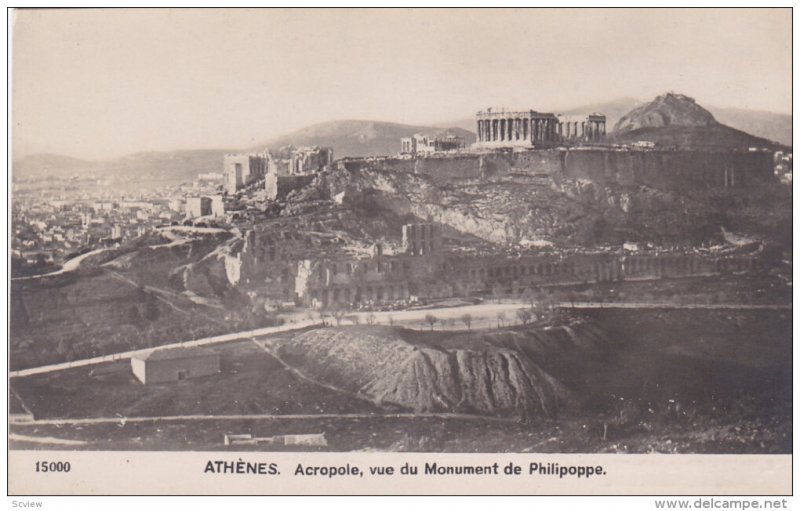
<point x="487" y="310"/>
<point x="69" y="266"/>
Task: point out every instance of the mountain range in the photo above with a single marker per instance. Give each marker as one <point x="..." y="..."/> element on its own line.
<point x="359" y="138"/>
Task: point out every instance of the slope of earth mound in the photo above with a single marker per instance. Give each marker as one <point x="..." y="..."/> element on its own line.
<point x="427" y="373"/>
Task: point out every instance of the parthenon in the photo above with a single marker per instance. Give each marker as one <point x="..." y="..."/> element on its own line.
<point x="501" y="128"/>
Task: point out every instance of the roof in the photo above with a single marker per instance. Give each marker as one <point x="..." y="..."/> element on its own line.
<point x="176" y="353"/>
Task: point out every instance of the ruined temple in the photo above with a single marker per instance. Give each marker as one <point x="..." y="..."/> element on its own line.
<point x="241" y="170"/>
<point x="420" y="144"/>
<point x="500" y="128"/>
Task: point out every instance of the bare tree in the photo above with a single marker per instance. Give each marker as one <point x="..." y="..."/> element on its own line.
<point x="497" y="292"/>
<point x="524" y="316"/>
<point x="529" y="296"/>
<point x="338" y="315"/>
<point x="371" y="318"/>
<point x="431" y="320"/>
<point x="467" y="320"/>
<point x="501" y="319"/>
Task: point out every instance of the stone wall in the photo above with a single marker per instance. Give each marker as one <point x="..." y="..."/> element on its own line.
<point x="660" y="169"/>
<point x="278" y="187"/>
<point x="481" y="274"/>
<point x="669" y="170"/>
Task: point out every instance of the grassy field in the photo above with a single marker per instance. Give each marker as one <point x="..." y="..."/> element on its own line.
<point x="251" y="382"/>
<point x="134" y="303"/>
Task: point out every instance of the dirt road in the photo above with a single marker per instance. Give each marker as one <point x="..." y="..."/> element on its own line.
<point x="486" y="315"/>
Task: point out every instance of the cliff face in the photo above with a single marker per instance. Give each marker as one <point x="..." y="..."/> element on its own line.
<point x="558" y="209"/>
<point x="666" y="110"/>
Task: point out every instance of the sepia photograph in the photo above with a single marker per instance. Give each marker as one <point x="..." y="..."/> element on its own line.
<point x="409" y="230"/>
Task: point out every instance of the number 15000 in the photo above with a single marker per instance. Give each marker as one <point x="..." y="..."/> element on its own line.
<point x="52" y="466"/>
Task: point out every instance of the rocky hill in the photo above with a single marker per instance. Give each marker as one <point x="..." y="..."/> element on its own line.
<point x="667" y="110"/>
<point x="677" y="120"/>
<point x="510" y="209"/>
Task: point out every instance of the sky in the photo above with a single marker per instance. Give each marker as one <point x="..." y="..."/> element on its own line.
<point x="100" y="83"/>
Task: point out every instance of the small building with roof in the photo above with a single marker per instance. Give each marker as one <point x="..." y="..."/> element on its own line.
<point x="174" y="364"/>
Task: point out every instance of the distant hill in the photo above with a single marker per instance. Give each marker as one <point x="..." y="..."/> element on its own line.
<point x="360" y="138"/>
<point x="348" y="138"/>
<point x="173" y="166"/>
<point x="677" y="120"/>
<point x="769" y="125"/>
<point x="47" y="163"/>
<point x="372" y="138"/>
